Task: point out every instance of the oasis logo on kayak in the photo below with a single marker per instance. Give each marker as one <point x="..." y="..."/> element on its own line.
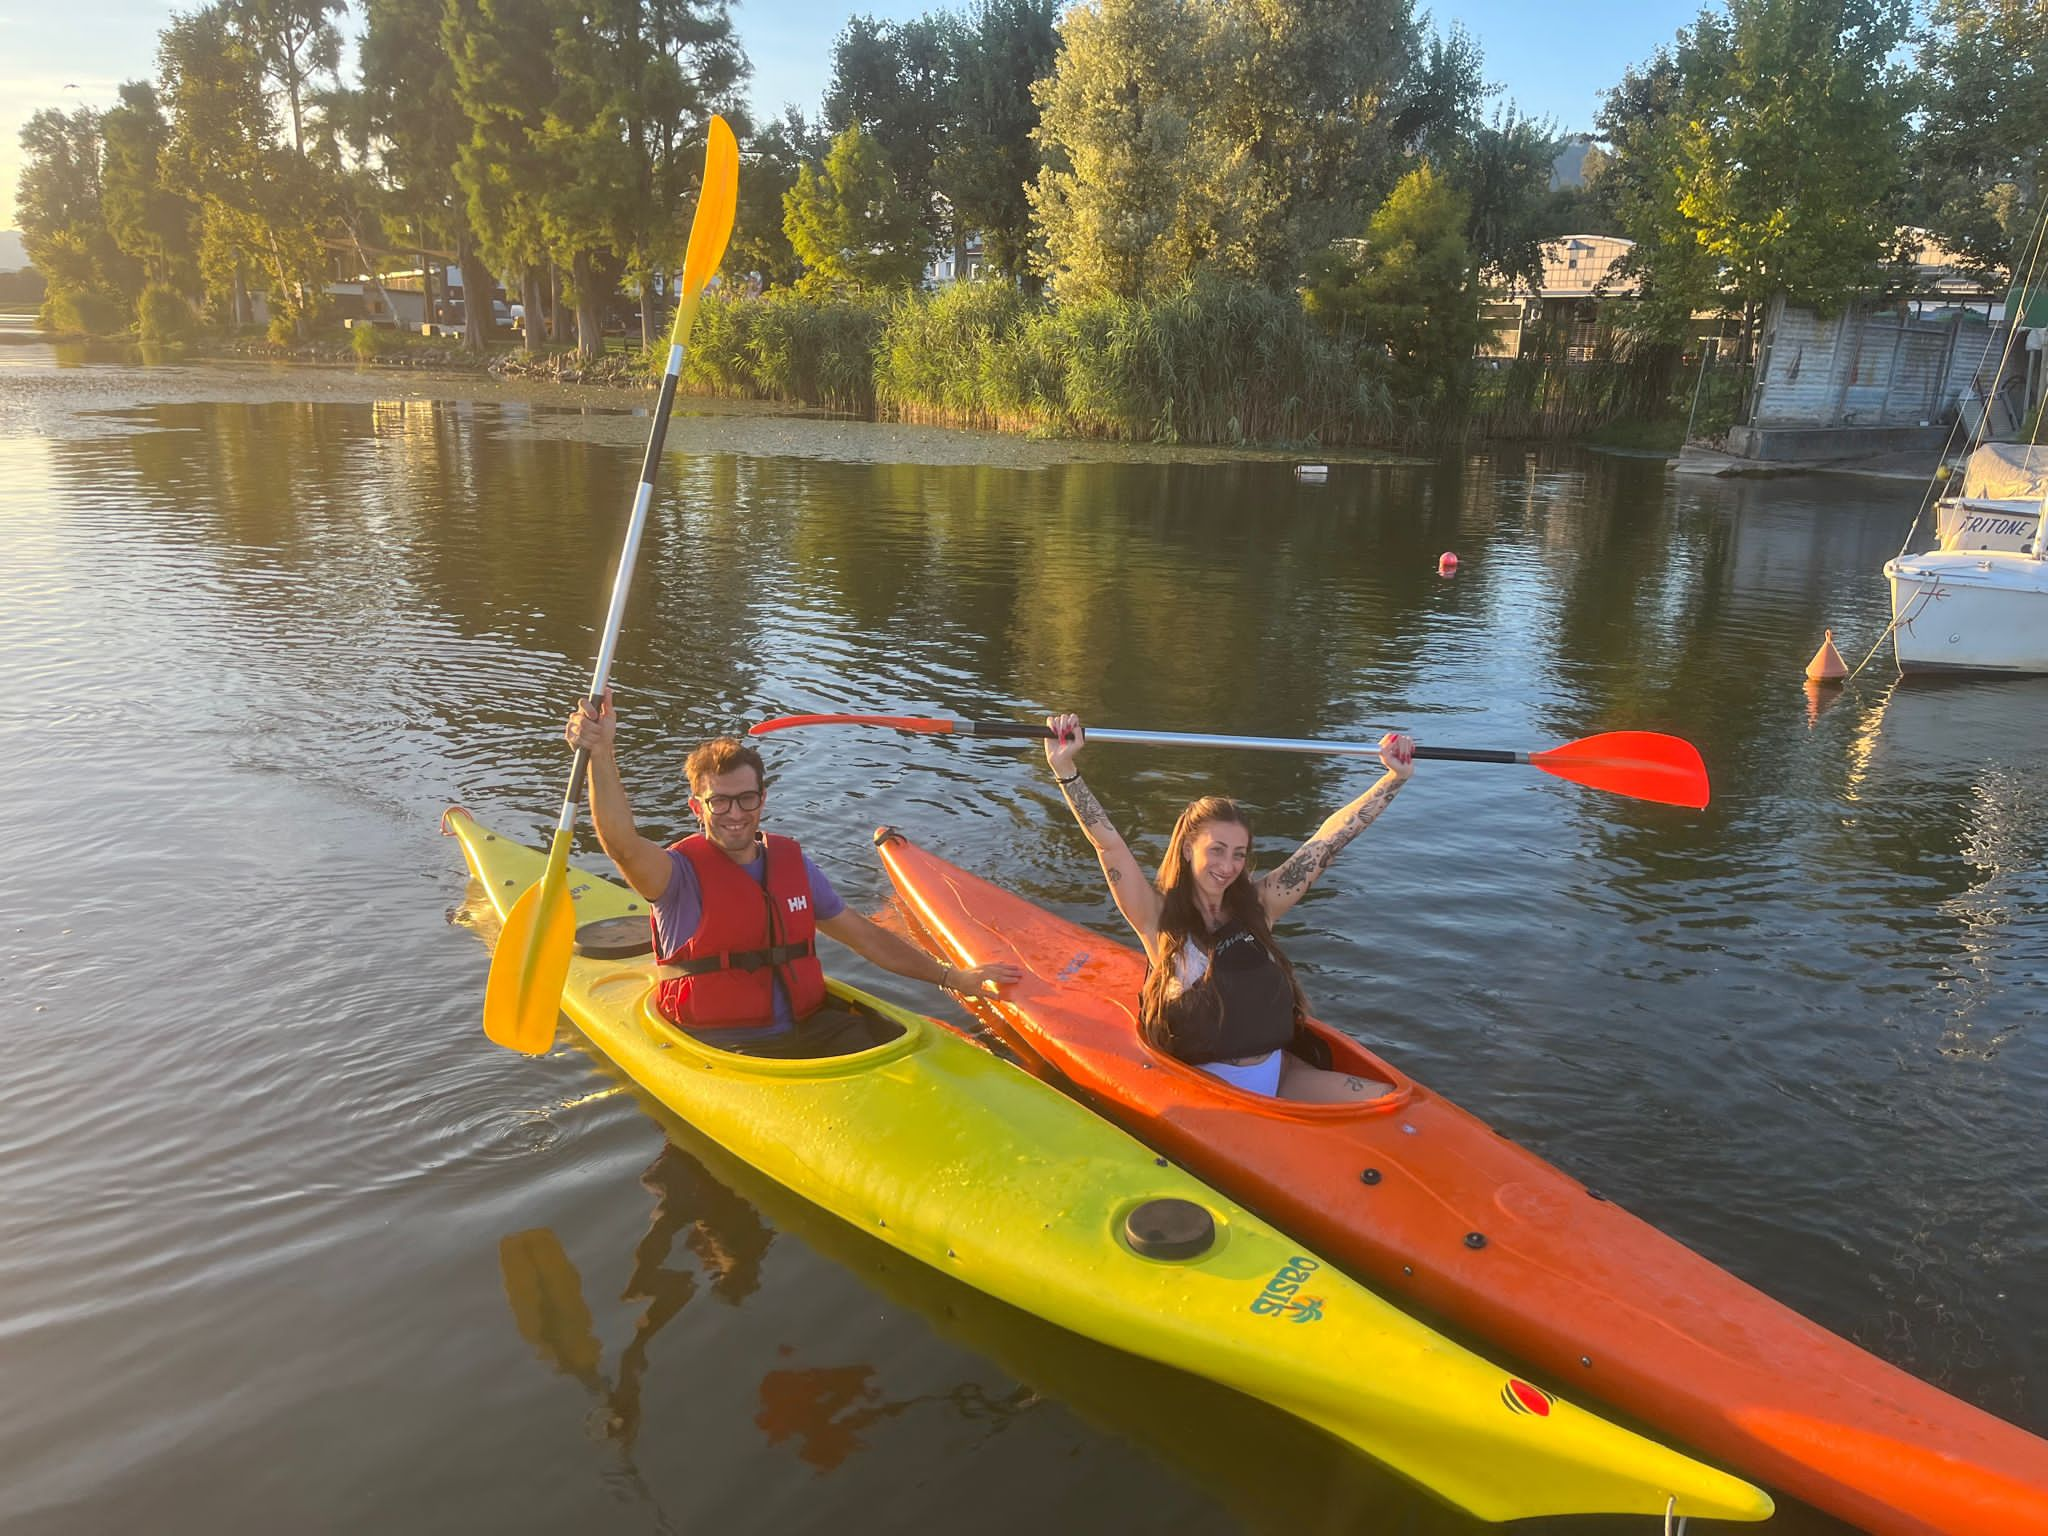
<point x="1282" y="1296"/>
<point x="1523" y="1398"/>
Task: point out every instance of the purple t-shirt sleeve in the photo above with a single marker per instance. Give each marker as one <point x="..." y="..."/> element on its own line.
<point x="681" y="906"/>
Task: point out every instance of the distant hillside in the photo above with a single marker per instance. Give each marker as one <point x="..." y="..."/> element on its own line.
<point x="12" y="255"/>
<point x="1569" y="168"/>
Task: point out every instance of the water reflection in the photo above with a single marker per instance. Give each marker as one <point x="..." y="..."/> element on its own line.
<point x="1272" y="1472"/>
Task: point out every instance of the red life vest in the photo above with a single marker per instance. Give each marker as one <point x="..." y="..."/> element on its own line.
<point x="747" y="935"/>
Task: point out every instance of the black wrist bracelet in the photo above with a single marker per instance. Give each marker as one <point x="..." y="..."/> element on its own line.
<point x="1067" y="780"/>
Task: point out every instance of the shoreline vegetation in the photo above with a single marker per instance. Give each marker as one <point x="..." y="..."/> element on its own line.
<point x="1217" y="365"/>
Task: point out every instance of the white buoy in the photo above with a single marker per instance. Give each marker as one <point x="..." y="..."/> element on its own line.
<point x="1311" y="471"/>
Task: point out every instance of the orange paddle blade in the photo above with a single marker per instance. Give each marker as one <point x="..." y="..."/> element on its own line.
<point x="523" y="997"/>
<point x="1644" y="764"/>
<point x="926" y="725"/>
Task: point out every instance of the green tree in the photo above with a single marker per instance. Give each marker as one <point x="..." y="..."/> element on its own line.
<point x="1983" y="146"/>
<point x="1140" y="189"/>
<point x="589" y="202"/>
<point x="850" y="222"/>
<point x="1005" y="49"/>
<point x="264" y="205"/>
<point x="296" y="46"/>
<point x="415" y="127"/>
<point x="149" y="220"/>
<point x="679" y="63"/>
<point x="1225" y="136"/>
<point x="773" y="157"/>
<point x="1410" y="287"/>
<point x="58" y="200"/>
<point x="1443" y="94"/>
<point x="1503" y="169"/>
<point x="1309" y="110"/>
<point x="1765" y="154"/>
<point x="895" y="81"/>
<point x="1501" y="164"/>
<point x="500" y="51"/>
<point x="1636" y="195"/>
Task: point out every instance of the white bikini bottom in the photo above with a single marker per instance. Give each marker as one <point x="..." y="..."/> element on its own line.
<point x="1261" y="1076"/>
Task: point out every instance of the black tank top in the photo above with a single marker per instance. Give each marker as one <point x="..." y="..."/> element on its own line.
<point x="1242" y="1006"/>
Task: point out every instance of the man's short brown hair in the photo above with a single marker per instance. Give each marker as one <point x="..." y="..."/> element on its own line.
<point x="722" y="754"/>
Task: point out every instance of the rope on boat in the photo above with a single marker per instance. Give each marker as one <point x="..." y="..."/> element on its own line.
<point x="1670" y="1506"/>
<point x="1920" y="600"/>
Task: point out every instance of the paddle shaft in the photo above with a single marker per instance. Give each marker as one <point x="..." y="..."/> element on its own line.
<point x="1252" y="743"/>
<point x="643" y="497"/>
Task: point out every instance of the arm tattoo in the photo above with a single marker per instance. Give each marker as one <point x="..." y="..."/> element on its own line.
<point x="1087" y="810"/>
<point x="1309" y="861"/>
<point x="1304" y="866"/>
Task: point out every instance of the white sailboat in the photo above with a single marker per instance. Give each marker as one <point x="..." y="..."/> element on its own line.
<point x="1978" y="601"/>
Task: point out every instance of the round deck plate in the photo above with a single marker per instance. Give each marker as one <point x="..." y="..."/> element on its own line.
<point x="615" y="938"/>
<point x="1170" y="1229"/>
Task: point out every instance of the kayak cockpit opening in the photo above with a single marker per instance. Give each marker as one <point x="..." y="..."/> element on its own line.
<point x="1316" y="1045"/>
<point x="848" y="1028"/>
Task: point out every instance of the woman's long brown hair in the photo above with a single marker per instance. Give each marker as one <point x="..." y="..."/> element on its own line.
<point x="1180" y="918"/>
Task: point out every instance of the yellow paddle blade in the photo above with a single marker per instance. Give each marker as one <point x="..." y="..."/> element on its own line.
<point x="523" y="997"/>
<point x="711" y="229"/>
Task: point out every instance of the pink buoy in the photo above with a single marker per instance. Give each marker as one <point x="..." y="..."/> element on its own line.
<point x="1447" y="564"/>
<point x="1826" y="666"/>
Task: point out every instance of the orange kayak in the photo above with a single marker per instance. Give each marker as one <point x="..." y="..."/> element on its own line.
<point x="1433" y="1208"/>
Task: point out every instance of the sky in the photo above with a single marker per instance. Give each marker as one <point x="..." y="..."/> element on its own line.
<point x="1550" y="61"/>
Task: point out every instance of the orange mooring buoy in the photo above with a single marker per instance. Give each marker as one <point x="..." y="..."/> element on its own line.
<point x="1826" y="666"/>
<point x="1447" y="564"/>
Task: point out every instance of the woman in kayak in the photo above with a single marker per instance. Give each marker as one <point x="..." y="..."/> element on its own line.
<point x="1220" y="995"/>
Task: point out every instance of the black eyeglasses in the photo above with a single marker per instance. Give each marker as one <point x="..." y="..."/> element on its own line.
<point x="750" y="800"/>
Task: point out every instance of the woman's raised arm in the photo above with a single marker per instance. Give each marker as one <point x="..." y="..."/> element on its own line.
<point x="1128" y="887"/>
<point x="1279" y="891"/>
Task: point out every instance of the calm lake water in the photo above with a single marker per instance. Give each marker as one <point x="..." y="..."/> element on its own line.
<point x="287" y="1245"/>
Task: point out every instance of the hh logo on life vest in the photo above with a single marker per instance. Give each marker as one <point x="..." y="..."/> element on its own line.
<point x="799" y="903"/>
<point x="1282" y="1296"/>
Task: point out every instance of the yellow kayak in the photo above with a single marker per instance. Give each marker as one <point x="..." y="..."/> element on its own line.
<point x="974" y="1167"/>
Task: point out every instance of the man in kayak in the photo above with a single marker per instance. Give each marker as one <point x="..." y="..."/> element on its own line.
<point x="1219" y="993"/>
<point x="735" y="910"/>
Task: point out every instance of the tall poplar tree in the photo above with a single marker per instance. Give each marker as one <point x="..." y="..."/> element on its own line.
<point x="1141" y="187"/>
<point x="221" y="120"/>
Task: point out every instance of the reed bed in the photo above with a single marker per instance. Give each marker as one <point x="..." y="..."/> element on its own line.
<point x="1545" y="393"/>
<point x="1214" y="363"/>
<point x="792" y="347"/>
